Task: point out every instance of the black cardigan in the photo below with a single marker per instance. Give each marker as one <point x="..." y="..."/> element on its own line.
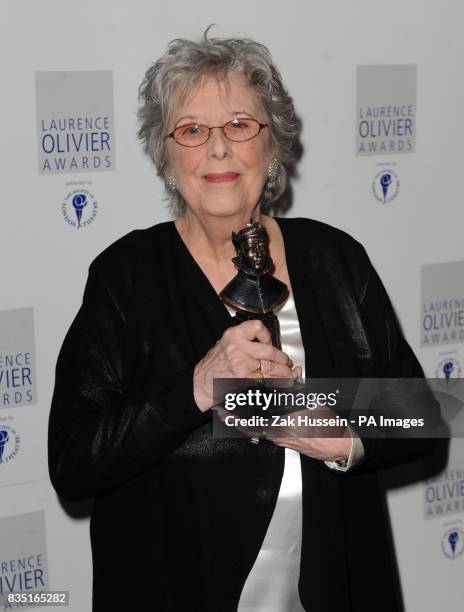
<point x="179" y="517"/>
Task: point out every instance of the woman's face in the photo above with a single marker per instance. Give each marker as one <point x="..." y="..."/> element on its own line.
<point x="220" y="178"/>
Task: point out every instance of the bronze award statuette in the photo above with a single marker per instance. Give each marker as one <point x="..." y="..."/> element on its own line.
<point x="254" y="292"/>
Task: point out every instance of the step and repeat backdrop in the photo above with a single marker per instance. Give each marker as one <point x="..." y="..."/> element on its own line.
<point x="377" y="88"/>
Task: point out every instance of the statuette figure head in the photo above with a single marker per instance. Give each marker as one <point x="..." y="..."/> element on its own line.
<point x="252" y="245"/>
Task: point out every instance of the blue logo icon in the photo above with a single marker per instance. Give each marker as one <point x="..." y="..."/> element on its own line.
<point x="448" y="367"/>
<point x="385" y="182"/>
<point x="9" y="444"/>
<point x="449" y="371"/>
<point x="79" y="208"/>
<point x="453" y="539"/>
<point x="452" y="543"/>
<point x="79" y="202"/>
<point x="385" y="186"/>
<point x="3" y="440"/>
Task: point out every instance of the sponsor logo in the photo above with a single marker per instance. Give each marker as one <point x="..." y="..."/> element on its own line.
<point x="9" y="444"/>
<point x="385" y="186"/>
<point x="75" y="124"/>
<point x="452" y="542"/>
<point x="386" y="109"/>
<point x="448" y="371"/>
<point x="79" y="208"/>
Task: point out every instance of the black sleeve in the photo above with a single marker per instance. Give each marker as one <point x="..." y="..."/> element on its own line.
<point x="395" y="359"/>
<point x="391" y="358"/>
<point x="99" y="438"/>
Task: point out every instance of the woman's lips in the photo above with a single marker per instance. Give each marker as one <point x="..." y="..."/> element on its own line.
<point x="223" y="177"/>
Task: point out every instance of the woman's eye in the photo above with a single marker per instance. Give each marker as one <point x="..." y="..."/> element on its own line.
<point x="239" y="124"/>
<point x="191" y="130"/>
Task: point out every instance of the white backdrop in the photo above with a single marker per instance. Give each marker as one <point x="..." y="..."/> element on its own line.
<point x="318" y="46"/>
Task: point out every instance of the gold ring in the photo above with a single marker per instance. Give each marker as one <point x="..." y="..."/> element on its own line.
<point x="260" y="369"/>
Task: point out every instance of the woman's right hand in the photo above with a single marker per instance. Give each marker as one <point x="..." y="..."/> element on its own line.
<point x="235" y="355"/>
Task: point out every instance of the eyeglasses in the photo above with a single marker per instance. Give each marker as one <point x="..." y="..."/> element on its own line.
<point x="237" y="130"/>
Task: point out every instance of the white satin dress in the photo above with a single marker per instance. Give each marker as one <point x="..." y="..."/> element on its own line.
<point x="272" y="584"/>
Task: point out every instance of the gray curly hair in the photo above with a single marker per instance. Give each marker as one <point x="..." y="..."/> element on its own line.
<point x="181" y="68"/>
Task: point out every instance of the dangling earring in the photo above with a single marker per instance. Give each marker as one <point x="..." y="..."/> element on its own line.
<point x="171" y="182"/>
<point x="273" y="170"/>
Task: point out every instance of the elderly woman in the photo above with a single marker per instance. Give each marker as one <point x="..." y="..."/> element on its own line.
<point x="183" y="521"/>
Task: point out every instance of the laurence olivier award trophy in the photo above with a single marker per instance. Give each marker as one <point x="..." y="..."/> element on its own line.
<point x="254" y="292"/>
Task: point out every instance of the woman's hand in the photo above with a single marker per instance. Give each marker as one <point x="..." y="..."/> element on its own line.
<point x="235" y="355"/>
<point x="326" y="443"/>
<point x="325" y="449"/>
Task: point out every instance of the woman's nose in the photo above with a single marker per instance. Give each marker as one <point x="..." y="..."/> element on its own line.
<point x="217" y="143"/>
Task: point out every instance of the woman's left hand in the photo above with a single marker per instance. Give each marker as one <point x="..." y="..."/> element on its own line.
<point x="317" y="446"/>
<point x="325" y="449"/>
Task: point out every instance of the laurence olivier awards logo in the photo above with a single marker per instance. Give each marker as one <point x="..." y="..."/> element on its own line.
<point x="442" y="316"/>
<point x="79" y="208"/>
<point x="385" y="186"/>
<point x="17" y="358"/>
<point x="386" y="109"/>
<point x="23" y="562"/>
<point x="452" y="542"/>
<point x="444" y="493"/>
<point x="75" y="124"/>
